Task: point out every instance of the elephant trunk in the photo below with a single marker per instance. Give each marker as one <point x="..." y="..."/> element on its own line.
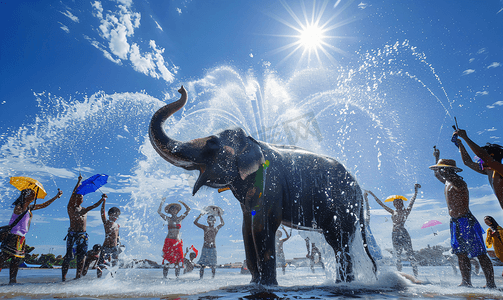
<point x="177" y="153"/>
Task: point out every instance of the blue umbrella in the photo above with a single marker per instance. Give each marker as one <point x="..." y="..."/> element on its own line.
<point x="91" y="184"/>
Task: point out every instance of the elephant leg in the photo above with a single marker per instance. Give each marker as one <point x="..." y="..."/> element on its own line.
<point x="251" y="253"/>
<point x="338" y="237"/>
<point x="264" y="233"/>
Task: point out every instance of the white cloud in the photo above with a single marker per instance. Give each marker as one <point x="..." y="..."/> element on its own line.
<point x="471" y="60"/>
<point x="469" y="71"/>
<point x="481" y="51"/>
<point x="70" y="16"/>
<point x="483" y="93"/>
<point x="157" y="24"/>
<point x="179" y="11"/>
<point x="499" y="103"/>
<point x="494" y="65"/>
<point x="117" y="29"/>
<point x="64" y="27"/>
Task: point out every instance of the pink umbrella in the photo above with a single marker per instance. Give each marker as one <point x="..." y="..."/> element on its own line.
<point x="430" y="223"/>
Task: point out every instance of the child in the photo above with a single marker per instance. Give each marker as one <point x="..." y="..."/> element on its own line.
<point x="209" y="252"/>
<point x="110" y="249"/>
<point x="189" y="263"/>
<point x="280" y="261"/>
<point x="494" y="237"/>
<point x="91" y="255"/>
<point x="466" y="233"/>
<point x="172" y="251"/>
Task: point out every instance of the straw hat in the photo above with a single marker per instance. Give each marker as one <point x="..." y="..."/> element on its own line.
<point x="446" y="163"/>
<point x="177" y="206"/>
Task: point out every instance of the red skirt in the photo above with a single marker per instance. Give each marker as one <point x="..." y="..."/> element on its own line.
<point x="172" y="252"/>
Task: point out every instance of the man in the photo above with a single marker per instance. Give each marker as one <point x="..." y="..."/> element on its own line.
<point x="77" y="232"/>
<point x="489" y="161"/>
<point x="466" y="234"/>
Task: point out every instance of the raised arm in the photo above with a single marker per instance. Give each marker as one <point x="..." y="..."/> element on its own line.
<point x="159" y="211"/>
<point x="480" y="152"/>
<point x="72" y="201"/>
<point x="196" y="221"/>
<point x="102" y="212"/>
<point x="87" y="209"/>
<point x="221" y="223"/>
<point x="436" y="154"/>
<point x="46" y="203"/>
<point x="417" y="186"/>
<point x="187" y="210"/>
<point x="391" y="211"/>
<point x="467" y="160"/>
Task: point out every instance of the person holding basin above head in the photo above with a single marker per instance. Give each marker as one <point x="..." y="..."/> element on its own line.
<point x="400" y="236"/>
<point x="209" y="251"/>
<point x="467" y="239"/>
<point x="13" y="246"/>
<point x="172" y="251"/>
<point x="488" y="161"/>
<point x="77" y="234"/>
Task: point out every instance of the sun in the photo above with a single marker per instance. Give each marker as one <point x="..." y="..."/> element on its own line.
<point x="312" y="38"/>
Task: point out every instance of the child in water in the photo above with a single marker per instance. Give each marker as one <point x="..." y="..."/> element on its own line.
<point x="172" y="251"/>
<point x="493" y="237"/>
<point x="209" y="252"/>
<point x="91" y="255"/>
<point x="280" y="254"/>
<point x="110" y="249"/>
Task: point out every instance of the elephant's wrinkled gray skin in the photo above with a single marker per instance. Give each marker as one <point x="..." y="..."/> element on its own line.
<point x="298" y="189"/>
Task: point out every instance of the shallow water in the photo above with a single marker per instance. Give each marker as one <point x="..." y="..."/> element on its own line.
<point x="297" y="283"/>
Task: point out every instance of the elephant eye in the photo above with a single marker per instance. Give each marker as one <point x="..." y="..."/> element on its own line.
<point x="212" y="143"/>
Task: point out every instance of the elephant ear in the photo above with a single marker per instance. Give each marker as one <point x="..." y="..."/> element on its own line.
<point x="250" y="158"/>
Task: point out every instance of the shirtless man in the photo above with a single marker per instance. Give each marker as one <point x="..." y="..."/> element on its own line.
<point x="77" y="231"/>
<point x="110" y="249"/>
<point x="490" y="164"/>
<point x="466" y="234"/>
<point x="209" y="252"/>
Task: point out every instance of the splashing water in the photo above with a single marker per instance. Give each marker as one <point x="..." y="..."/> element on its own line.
<point x="361" y="115"/>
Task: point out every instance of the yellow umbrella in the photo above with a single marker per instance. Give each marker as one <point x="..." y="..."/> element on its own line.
<point x="394" y="197"/>
<point x="22" y="183"/>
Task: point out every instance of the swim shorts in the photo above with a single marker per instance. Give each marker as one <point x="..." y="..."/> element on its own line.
<point x="80" y="239"/>
<point x="110" y="253"/>
<point x="467" y="236"/>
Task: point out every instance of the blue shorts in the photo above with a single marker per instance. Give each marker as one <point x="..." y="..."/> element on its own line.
<point x="80" y="240"/>
<point x="467" y="236"/>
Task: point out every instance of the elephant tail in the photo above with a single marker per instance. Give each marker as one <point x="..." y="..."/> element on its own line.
<point x="364" y="236"/>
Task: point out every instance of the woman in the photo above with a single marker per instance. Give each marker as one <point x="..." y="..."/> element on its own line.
<point x="14" y="245"/>
<point x="400" y="236"/>
<point x="493" y="238"/>
<point x="172" y="252"/>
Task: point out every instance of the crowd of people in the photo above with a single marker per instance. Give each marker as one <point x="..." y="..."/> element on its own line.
<point x="467" y="239"/>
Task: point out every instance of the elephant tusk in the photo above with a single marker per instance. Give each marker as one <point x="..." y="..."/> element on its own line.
<point x="224" y="189"/>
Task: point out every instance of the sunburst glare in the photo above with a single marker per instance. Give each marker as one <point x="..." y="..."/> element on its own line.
<point x="311" y="39"/>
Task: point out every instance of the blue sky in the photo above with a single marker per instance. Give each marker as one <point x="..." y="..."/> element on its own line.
<point x="80" y="81"/>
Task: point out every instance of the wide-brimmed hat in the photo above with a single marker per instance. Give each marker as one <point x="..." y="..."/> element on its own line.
<point x="169" y="206"/>
<point x="446" y="163"/>
<point x="395" y="197"/>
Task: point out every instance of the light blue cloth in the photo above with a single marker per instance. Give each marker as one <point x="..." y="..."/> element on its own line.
<point x="208" y="257"/>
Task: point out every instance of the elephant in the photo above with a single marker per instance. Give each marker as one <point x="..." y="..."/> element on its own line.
<point x="275" y="185"/>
